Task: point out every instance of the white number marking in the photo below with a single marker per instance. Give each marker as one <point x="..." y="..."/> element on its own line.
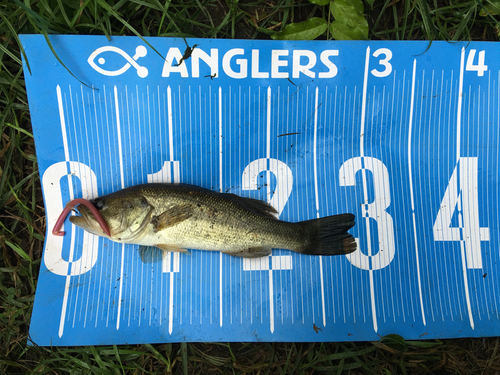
<point x="461" y="195"/>
<point x="480" y="68"/>
<point x="51" y="182"/>
<point x="385" y="62"/>
<point x="284" y="180"/>
<point x="375" y="210"/>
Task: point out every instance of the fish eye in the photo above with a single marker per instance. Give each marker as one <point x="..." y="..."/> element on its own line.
<point x="98" y="203"/>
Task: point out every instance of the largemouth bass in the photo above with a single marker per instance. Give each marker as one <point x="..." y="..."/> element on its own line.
<point x="177" y="217"/>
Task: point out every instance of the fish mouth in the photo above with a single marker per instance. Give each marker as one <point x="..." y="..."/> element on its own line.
<point x="87" y="221"/>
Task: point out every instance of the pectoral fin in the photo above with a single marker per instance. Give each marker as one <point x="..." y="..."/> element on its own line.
<point x="174" y="248"/>
<point x="253" y="252"/>
<point x="172" y="216"/>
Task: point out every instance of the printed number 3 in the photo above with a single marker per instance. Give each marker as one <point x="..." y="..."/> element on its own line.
<point x="385" y="62"/>
<point x="376" y="210"/>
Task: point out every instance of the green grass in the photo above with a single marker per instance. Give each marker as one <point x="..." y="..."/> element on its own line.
<point x="22" y="220"/>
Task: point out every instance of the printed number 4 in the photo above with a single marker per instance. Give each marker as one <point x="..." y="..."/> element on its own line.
<point x="480" y="68"/>
<point x="461" y="195"/>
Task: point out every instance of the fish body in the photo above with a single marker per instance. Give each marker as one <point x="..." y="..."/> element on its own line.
<point x="176" y="217"/>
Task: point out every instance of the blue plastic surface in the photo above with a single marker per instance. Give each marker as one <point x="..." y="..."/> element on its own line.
<point x="402" y="135"/>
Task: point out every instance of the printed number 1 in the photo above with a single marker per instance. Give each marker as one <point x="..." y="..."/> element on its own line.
<point x="461" y="195"/>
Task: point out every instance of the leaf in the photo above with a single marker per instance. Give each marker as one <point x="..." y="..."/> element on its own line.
<point x="307" y="30"/>
<point x="16" y="37"/>
<point x="492" y="7"/>
<point x="342" y="31"/>
<point x="347" y="11"/>
<point x="47" y="39"/>
<point x="319" y="2"/>
<point x="18" y="250"/>
<point x="370" y="2"/>
<point x="395" y="342"/>
<point x="350" y="23"/>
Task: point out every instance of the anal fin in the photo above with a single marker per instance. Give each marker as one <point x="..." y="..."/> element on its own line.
<point x="172" y="248"/>
<point x="253" y="252"/>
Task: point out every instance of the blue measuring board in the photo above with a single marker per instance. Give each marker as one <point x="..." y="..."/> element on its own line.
<point x="402" y="134"/>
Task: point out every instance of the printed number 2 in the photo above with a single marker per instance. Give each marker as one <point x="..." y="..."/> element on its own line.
<point x="461" y="195"/>
<point x="375" y="210"/>
<point x="284" y="180"/>
<point x="385" y="62"/>
<point x="480" y="68"/>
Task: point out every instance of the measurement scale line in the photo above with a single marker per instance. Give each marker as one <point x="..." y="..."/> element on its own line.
<point x="160" y="141"/>
<point x="79" y="169"/>
<point x="268" y="183"/>
<point x="330" y="302"/>
<point x="229" y="168"/>
<point x="307" y="194"/>
<point x="87" y="137"/>
<point x="109" y="148"/>
<point x="220" y="189"/>
<point x="429" y="157"/>
<point x="132" y="181"/>
<point x="122" y="181"/>
<point x="240" y="168"/>
<point x="315" y="156"/>
<point x="462" y="243"/>
<point x="175" y="180"/>
<point x="439" y="147"/>
<point x="84" y="126"/>
<point x="301" y="293"/>
<point x="347" y="119"/>
<point x="89" y="281"/>
<point x="417" y="261"/>
<point x="179" y="102"/>
<point x="365" y="187"/>
<point x="70" y="188"/>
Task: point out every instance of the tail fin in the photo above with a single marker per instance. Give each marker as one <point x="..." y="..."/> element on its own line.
<point x="328" y="235"/>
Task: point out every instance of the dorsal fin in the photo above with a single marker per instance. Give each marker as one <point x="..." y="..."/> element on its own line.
<point x="254" y="205"/>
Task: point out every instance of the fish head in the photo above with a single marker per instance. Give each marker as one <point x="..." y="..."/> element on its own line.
<point x="127" y="216"/>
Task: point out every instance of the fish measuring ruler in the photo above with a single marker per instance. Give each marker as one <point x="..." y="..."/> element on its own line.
<point x="402" y="134"/>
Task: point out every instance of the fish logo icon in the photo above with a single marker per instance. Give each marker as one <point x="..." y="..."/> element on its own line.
<point x="140" y="51"/>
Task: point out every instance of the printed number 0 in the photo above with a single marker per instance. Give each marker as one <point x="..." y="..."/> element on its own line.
<point x="385" y="62"/>
<point x="51" y="182"/>
<point x="375" y="210"/>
